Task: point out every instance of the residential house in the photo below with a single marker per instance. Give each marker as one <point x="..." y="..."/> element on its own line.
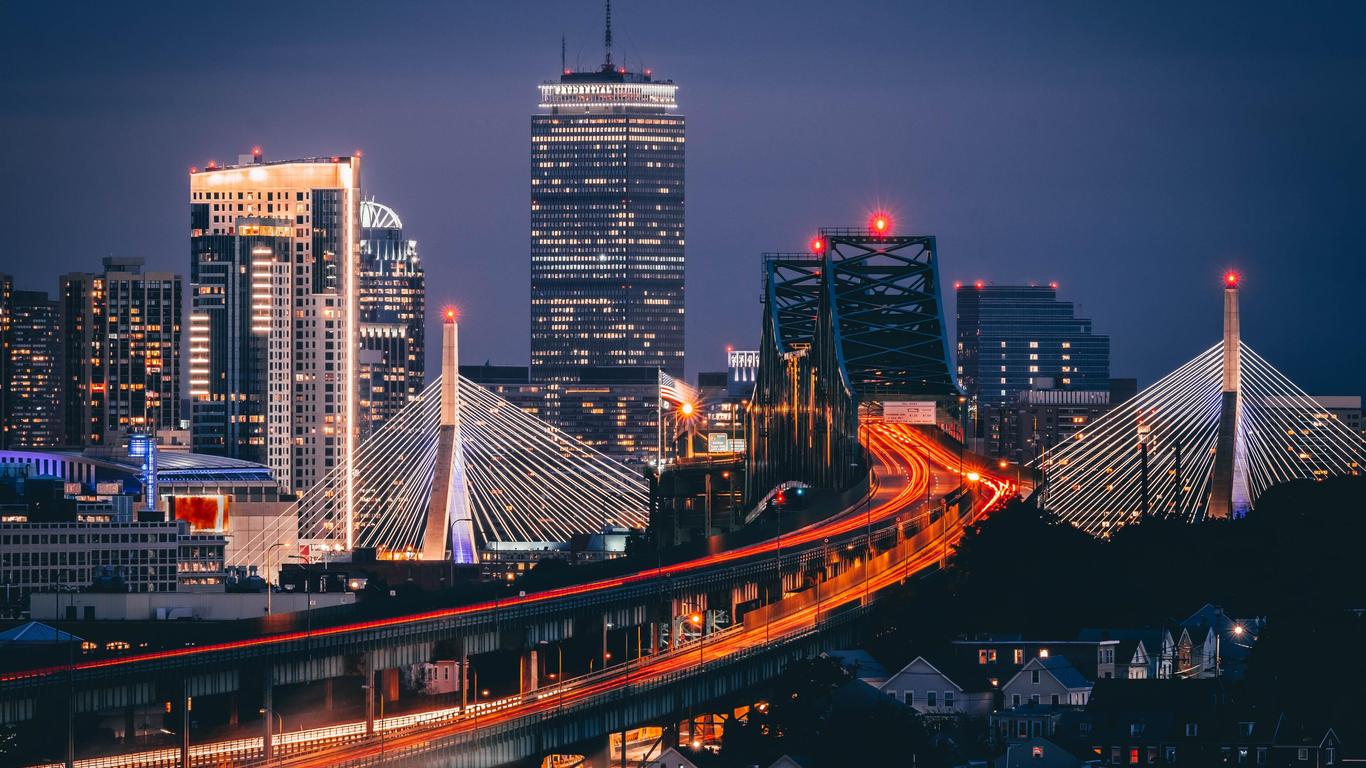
<point x="1220" y="643"/>
<point x="1026" y="721"/>
<point x="1141" y="654"/>
<point x="1002" y="656"/>
<point x="671" y="758"/>
<point x="1048" y="680"/>
<point x="861" y="666"/>
<point x="955" y="690"/>
<point x="1035" y="752"/>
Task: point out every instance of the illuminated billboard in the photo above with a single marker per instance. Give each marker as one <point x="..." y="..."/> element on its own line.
<point x="203" y="513"/>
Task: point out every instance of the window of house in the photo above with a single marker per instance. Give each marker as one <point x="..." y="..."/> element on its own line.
<point x="1192" y="729"/>
<point x="1115" y="755"/>
<point x="1034" y="677"/>
<point x="1015" y="700"/>
<point x="1036" y="753"/>
<point x="948" y="699"/>
<point x="1303" y="754"/>
<point x="1261" y="755"/>
<point x="1053" y="700"/>
<point x="1170" y="755"/>
<point x="931" y="698"/>
<point x="1329" y="753"/>
<point x="1135" y="729"/>
<point x="1084" y="729"/>
<point x="1034" y="698"/>
<point x="1019" y="655"/>
<point x="982" y="656"/>
<point x="1043" y="653"/>
<point x="910" y="697"/>
<point x="1133" y="756"/>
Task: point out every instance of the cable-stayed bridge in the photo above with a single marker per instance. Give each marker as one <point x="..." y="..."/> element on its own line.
<point x="1204" y="442"/>
<point x="462" y="471"/>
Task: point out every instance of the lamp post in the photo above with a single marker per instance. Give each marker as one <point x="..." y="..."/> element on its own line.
<point x="280" y="734"/>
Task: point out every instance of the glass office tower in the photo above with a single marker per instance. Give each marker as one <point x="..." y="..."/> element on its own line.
<point x="607" y="158"/>
<point x="392" y="302"/>
<point x="1013" y="338"/>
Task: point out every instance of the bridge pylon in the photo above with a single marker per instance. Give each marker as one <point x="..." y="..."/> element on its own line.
<point x="1229" y="495"/>
<point x="449" y="522"/>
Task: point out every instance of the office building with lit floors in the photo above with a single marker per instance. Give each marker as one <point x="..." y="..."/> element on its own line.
<point x="120" y="362"/>
<point x="274" y="250"/>
<point x="1013" y="337"/>
<point x="607" y="205"/>
<point x="392" y="305"/>
<point x="30" y="347"/>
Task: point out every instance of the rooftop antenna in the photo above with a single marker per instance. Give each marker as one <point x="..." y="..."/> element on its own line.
<point x="607" y="38"/>
<point x="562" y="67"/>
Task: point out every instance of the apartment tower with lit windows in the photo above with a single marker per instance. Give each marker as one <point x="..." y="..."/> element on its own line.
<point x="120" y="352"/>
<point x="273" y="258"/>
<point x="607" y="198"/>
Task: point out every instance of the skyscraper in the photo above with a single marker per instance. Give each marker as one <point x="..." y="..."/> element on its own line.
<point x="120" y="362"/>
<point x="392" y="301"/>
<point x="30" y="406"/>
<point x="273" y="248"/>
<point x="606" y="223"/>
<point x="1013" y="338"/>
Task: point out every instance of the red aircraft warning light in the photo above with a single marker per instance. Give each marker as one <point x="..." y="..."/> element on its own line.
<point x="256" y="151"/>
<point x="451" y="314"/>
<point x="1231" y="279"/>
<point x="880" y="223"/>
<point x="817" y="245"/>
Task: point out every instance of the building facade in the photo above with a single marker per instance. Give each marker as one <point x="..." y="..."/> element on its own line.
<point x="1011" y="336"/>
<point x="120" y="362"/>
<point x="392" y="301"/>
<point x="273" y="321"/>
<point x="30" y="348"/>
<point x="607" y="244"/>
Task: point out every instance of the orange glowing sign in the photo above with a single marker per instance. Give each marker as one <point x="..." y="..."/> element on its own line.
<point x="203" y="513"/>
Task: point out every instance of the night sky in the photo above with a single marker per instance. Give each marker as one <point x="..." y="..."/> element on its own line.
<point x="1131" y="152"/>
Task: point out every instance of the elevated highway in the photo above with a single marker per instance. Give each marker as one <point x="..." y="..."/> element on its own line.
<point x="903" y="517"/>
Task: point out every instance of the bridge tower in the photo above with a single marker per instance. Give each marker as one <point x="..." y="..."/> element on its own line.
<point x="1229" y="496"/>
<point x="448" y="513"/>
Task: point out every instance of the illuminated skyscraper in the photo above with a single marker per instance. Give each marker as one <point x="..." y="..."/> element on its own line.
<point x="272" y="249"/>
<point x="120" y="359"/>
<point x="392" y="302"/>
<point x="30" y="401"/>
<point x="606" y="223"/>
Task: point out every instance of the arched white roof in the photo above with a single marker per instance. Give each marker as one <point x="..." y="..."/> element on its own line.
<point x="375" y="215"/>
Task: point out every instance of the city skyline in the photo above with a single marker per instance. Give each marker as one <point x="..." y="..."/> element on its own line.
<point x="1057" y="155"/>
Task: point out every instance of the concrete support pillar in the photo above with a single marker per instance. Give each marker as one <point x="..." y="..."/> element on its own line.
<point x="233" y="716"/>
<point x="186" y="703"/>
<point x="268" y="718"/>
<point x="528" y="671"/>
<point x="130" y="725"/>
<point x="707" y="508"/>
<point x="327" y="694"/>
<point x="464" y="679"/>
<point x="369" y="690"/>
<point x="389" y="684"/>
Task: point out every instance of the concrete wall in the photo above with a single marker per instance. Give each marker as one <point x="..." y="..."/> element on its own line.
<point x="149" y="606"/>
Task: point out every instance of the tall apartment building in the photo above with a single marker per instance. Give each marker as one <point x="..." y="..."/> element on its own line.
<point x="607" y="159"/>
<point x="30" y="348"/>
<point x="273" y="254"/>
<point x="120" y="361"/>
<point x="1013" y="338"/>
<point x="392" y="301"/>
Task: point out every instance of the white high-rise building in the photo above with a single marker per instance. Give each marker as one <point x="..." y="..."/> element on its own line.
<point x="273" y="259"/>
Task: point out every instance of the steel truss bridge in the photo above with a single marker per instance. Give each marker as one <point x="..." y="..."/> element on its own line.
<point x="856" y="320"/>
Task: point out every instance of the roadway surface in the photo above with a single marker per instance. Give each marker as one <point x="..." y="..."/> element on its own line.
<point x="908" y="470"/>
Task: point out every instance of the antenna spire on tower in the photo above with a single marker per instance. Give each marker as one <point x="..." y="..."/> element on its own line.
<point x="562" y="68"/>
<point x="607" y="38"/>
